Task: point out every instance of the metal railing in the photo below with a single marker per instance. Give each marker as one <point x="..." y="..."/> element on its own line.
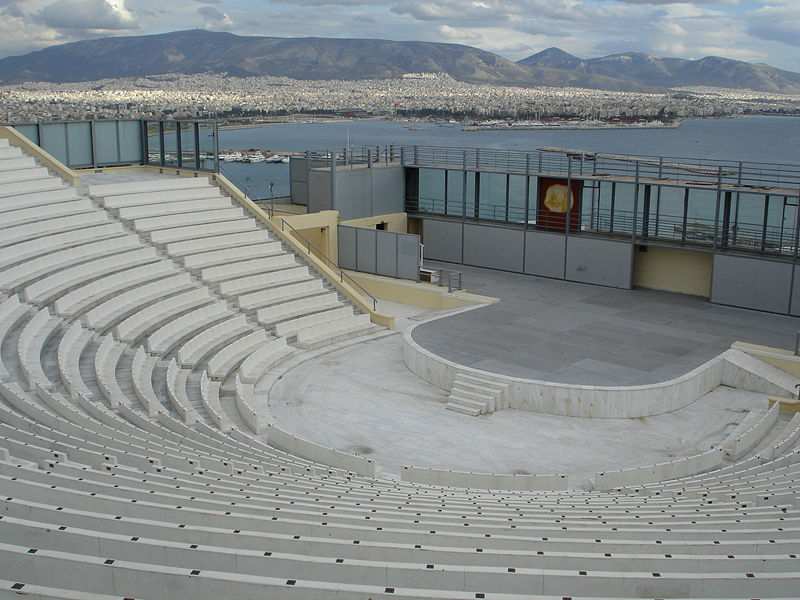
<point x="317" y="252"/>
<point x="701" y="172"/>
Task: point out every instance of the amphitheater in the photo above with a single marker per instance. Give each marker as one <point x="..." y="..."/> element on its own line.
<point x="142" y="316"/>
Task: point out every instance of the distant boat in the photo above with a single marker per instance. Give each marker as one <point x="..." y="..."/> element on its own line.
<point x="285" y="160"/>
<point x="275" y="158"/>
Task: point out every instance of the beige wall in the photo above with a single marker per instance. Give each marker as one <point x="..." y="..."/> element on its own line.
<point x="395" y="222"/>
<point x="319" y="228"/>
<point x="673" y="270"/>
<point x="417" y="293"/>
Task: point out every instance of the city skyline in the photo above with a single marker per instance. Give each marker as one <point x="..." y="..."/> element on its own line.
<point x="754" y="30"/>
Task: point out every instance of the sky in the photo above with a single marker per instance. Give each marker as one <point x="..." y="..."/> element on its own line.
<point x="754" y="30"/>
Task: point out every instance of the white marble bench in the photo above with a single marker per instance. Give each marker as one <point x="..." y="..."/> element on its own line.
<point x="195" y="349"/>
<point x="19" y="275"/>
<point x="245" y="268"/>
<point x="192" y="232"/>
<point x="243" y="285"/>
<point x="217" y="242"/>
<point x="738" y="444"/>
<point x="155" y="185"/>
<point x="10" y="153"/>
<point x="47" y="227"/>
<point x="13" y="164"/>
<point x="12" y="311"/>
<point x="232" y="255"/>
<point x="78" y="300"/>
<point x="209" y="394"/>
<point x="245" y="404"/>
<point x="147" y="211"/>
<point x="176" y="390"/>
<point x="142" y="369"/>
<point x="153" y="316"/>
<point x="297" y="308"/>
<point x="31" y="173"/>
<point x="30" y="345"/>
<point x="30" y="187"/>
<point x="188" y="219"/>
<point x="119" y="307"/>
<point x="70" y="348"/>
<point x="223" y="362"/>
<point x="106" y="358"/>
<point x="255" y="365"/>
<point x="292" y="326"/>
<point x="163" y="339"/>
<point x="35" y="214"/>
<point x="45" y="290"/>
<point x="26" y="250"/>
<point x="280" y="294"/>
<point x="347" y="326"/>
<point x="40" y="199"/>
<point x="147" y="198"/>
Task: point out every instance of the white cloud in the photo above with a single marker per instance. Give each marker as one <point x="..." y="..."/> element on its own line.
<point x="87" y="15"/>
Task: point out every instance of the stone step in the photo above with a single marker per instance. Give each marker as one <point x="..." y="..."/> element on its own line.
<point x="480" y="381"/>
<point x="463" y="409"/>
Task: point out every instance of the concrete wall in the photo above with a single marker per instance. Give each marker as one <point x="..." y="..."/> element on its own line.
<point x="544" y="254"/>
<point x="442" y="240"/>
<point x="795" y="308"/>
<point x="752" y="283"/>
<point x="319" y="228"/>
<point x="493" y="247"/>
<point x="600" y="262"/>
<point x="674" y="270"/>
<point x="581" y="259"/>
<point x="360" y="191"/>
<point x="379" y="252"/>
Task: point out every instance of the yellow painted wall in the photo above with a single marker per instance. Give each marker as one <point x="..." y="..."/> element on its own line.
<point x="673" y="270"/>
<point x="320" y="228"/>
<point x="395" y="222"/>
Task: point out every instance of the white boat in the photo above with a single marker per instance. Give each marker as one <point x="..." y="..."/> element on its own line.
<point x="285" y="160"/>
<point x="275" y="158"/>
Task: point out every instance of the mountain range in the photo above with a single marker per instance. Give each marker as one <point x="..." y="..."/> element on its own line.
<point x="199" y="51"/>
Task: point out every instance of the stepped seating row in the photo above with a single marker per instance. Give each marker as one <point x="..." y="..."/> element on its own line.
<point x="233" y="256"/>
<point x="106" y="492"/>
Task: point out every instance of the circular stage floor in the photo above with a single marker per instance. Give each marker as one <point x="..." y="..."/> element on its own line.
<point x="584" y="334"/>
<point x="363" y="399"/>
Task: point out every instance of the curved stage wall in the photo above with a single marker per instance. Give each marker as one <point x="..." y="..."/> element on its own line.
<point x="732" y="368"/>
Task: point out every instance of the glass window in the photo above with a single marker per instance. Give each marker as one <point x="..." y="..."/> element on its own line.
<point x="701" y="216"/>
<point x="533" y="191"/>
<point x="668" y="219"/>
<point x="455" y="193"/>
<point x="431" y="190"/>
<point x="170" y="143"/>
<point x="517" y="185"/>
<point x="153" y="143"/>
<point x="471" y="178"/>
<point x="493" y="196"/>
<point x="207" y="145"/>
<point x="187" y="145"/>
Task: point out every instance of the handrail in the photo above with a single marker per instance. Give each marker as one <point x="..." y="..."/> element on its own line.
<point x="321" y="255"/>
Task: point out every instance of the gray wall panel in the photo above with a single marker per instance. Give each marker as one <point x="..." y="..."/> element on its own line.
<point x="751" y="283"/>
<point x="366" y="242"/>
<point x="54" y="140"/>
<point x="347" y="247"/>
<point x="600" y="262"/>
<point x="388" y="190"/>
<point x="387" y="253"/>
<point x="319" y="197"/>
<point x="29" y="131"/>
<point x="79" y="142"/>
<point x="442" y="240"/>
<point x="408" y="256"/>
<point x="493" y="247"/>
<point x="544" y="254"/>
<point x="353" y="193"/>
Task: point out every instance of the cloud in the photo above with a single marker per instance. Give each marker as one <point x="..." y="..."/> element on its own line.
<point x="87" y="15"/>
<point x="214" y="18"/>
